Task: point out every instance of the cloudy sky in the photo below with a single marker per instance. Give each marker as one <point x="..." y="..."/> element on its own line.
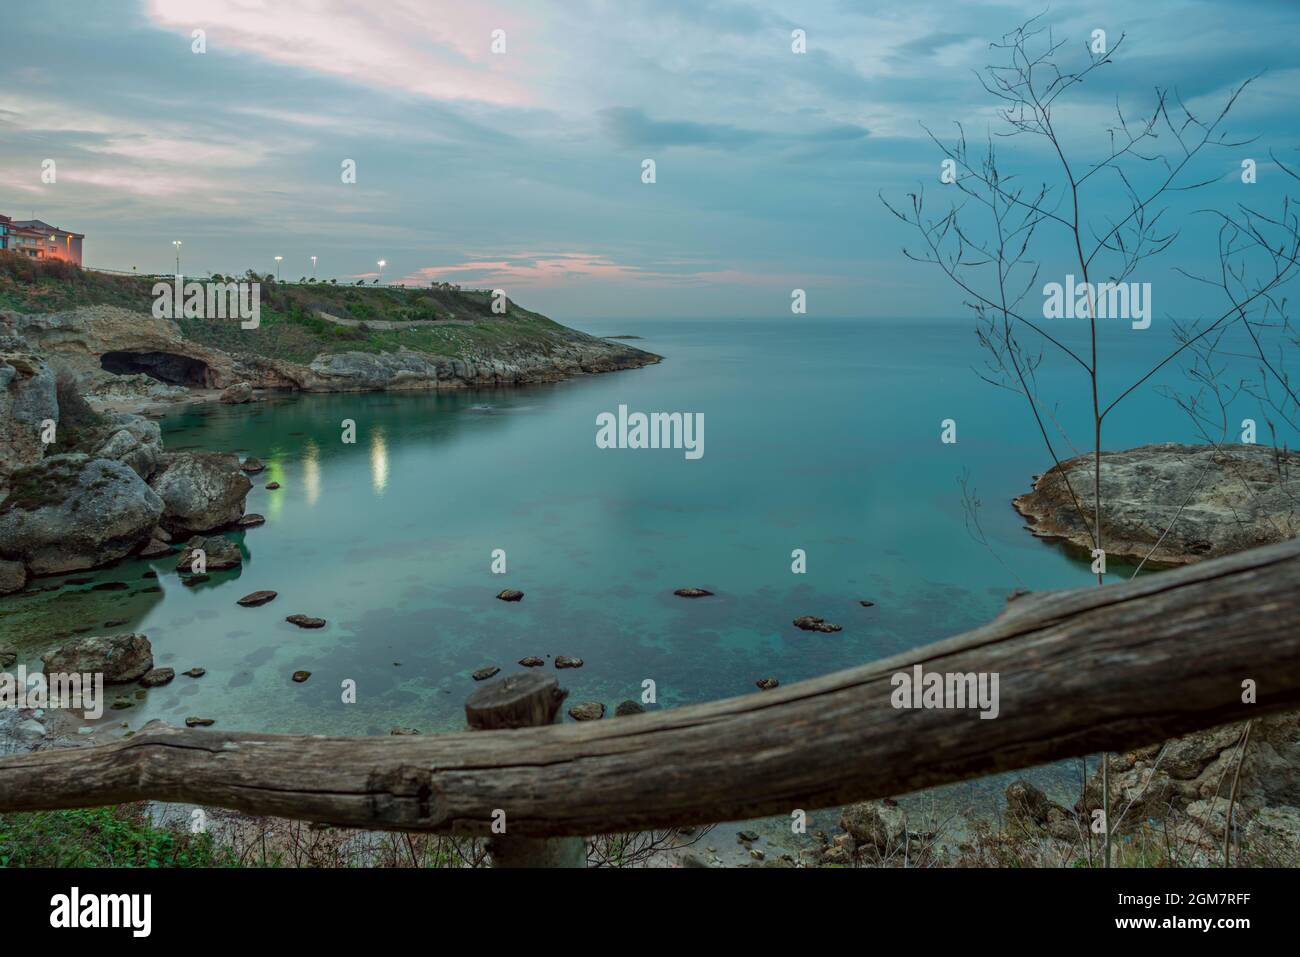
<point x="522" y="169"/>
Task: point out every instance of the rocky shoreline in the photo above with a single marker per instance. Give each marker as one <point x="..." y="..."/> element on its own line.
<point x="81" y="339"/>
<point x="1177" y="504"/>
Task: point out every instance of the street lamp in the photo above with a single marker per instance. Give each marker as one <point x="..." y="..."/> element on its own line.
<point x="277" y="268"/>
<point x="382" y="264"/>
<point x="177" y="244"/>
<point x="313" y="267"/>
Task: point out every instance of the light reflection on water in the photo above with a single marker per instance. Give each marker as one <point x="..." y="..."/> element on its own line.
<point x="822" y="436"/>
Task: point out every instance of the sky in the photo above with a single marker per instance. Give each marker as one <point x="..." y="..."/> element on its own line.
<point x="522" y="168"/>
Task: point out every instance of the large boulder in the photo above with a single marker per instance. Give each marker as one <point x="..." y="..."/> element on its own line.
<point x="72" y="511"/>
<point x="135" y="442"/>
<point x="237" y="394"/>
<point x="120" y="658"/>
<point x="13" y="576"/>
<point x="201" y="491"/>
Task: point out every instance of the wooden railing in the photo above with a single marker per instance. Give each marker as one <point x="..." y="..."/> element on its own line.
<point x="1080" y="672"/>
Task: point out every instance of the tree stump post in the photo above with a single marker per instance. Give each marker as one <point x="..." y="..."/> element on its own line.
<point x="524" y="700"/>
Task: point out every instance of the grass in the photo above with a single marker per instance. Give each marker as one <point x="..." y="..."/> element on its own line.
<point x="291" y="326"/>
<point x="119" y="836"/>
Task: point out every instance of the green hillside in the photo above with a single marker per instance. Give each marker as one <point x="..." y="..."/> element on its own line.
<point x="440" y="319"/>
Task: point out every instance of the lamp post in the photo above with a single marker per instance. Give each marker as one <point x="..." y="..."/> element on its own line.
<point x="382" y="264"/>
<point x="277" y="268"/>
<point x="177" y="244"/>
<point x="313" y="267"/>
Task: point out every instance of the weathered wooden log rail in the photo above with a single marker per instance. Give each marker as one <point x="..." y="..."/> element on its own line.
<point x="1081" y="671"/>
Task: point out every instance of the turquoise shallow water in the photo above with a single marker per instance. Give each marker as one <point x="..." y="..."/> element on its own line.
<point x="822" y="436"/>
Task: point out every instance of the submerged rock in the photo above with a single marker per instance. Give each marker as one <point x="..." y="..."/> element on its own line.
<point x="628" y="707"/>
<point x="301" y="676"/>
<point x="692" y="593"/>
<point x="70" y="512"/>
<point x="812" y="623"/>
<point x="1145" y="489"/>
<point x="120" y="658"/>
<point x="195" y="672"/>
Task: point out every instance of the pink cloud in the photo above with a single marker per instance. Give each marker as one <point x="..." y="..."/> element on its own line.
<point x="553" y="270"/>
<point x="440" y="51"/>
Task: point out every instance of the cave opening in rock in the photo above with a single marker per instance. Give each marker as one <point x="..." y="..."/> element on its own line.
<point x="163" y="366"/>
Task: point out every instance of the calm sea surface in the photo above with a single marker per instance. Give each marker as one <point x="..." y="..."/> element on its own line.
<point x="820" y="435"/>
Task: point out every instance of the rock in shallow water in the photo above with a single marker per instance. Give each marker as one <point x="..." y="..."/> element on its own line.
<point x="237" y="394"/>
<point x="254" y="599"/>
<point x="306" y="621"/>
<point x="587" y="711"/>
<point x="812" y="623"/>
<point x="201" y="491"/>
<point x="532" y="661"/>
<point x="510" y="594"/>
<point x="628" y="707"/>
<point x="219" y="553"/>
<point x="564" y="661"/>
<point x="157" y="676"/>
<point x="767" y="683"/>
<point x="120" y="658"/>
<point x="484" y="673"/>
<point x="692" y="593"/>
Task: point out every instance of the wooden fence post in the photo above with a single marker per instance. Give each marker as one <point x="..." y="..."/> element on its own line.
<point x="524" y="700"/>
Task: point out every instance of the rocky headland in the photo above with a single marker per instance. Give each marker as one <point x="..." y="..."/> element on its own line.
<point x="1170" y="504"/>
